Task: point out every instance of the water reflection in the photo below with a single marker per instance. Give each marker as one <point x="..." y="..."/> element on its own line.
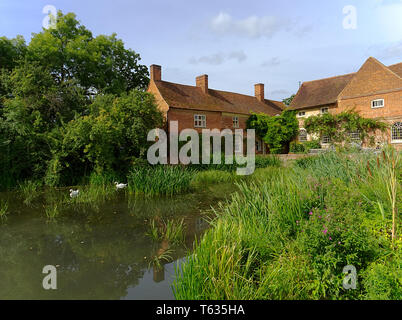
<point x="101" y="252"/>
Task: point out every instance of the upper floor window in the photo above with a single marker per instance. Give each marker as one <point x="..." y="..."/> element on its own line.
<point x="396" y="132"/>
<point x="301" y="114"/>
<point x="200" y="121"/>
<point x="324" y="110"/>
<point x="379" y="103"/>
<point x="303" y="135"/>
<point x="236" y="123"/>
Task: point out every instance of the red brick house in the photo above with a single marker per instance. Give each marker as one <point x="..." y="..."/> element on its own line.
<point x="375" y="91"/>
<point x="199" y="107"/>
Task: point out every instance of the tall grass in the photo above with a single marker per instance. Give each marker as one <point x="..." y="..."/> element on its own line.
<point x="154" y="181"/>
<point x="30" y="190"/>
<point x="52" y="211"/>
<point x="289" y="233"/>
<point x="171" y="231"/>
<point x="3" y="210"/>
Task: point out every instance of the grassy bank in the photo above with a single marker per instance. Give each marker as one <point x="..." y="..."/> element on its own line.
<point x="290" y="233"/>
<point x="143" y="181"/>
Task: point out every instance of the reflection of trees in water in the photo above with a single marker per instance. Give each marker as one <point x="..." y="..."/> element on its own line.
<point x="100" y="252"/>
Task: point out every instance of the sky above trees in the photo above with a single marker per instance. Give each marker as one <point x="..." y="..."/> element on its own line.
<point x="238" y="43"/>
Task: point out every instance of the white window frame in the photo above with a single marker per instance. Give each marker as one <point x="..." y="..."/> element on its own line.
<point x="324" y="139"/>
<point x="377" y="107"/>
<point x="236" y="122"/>
<point x="324" y="110"/>
<point x="200" y="121"/>
<point x="301" y="114"/>
<point x="396" y="130"/>
<point x="355" y="136"/>
<point x="304" y="135"/>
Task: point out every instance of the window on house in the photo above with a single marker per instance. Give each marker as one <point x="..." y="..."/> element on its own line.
<point x="324" y="110"/>
<point x="396" y="132"/>
<point x="355" y="136"/>
<point x="379" y="103"/>
<point x="236" y="123"/>
<point x="200" y="121"/>
<point x="258" y="145"/>
<point x="303" y="135"/>
<point x="302" y="114"/>
<point x="326" y="140"/>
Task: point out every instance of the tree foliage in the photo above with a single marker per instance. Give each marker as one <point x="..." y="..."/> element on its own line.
<point x="277" y="132"/>
<point x="338" y="127"/>
<point x="71" y="103"/>
<point x="289" y="100"/>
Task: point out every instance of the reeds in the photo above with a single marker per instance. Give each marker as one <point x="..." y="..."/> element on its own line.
<point x="156" y="181"/>
<point x="29" y="190"/>
<point x="171" y="231"/>
<point x="52" y="211"/>
<point x="3" y="210"/>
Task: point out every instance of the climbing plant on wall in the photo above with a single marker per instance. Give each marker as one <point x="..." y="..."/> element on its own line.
<point x="343" y="127"/>
<point x="277" y="132"/>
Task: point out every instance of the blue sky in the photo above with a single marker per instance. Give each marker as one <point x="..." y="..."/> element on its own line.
<point x="237" y="43"/>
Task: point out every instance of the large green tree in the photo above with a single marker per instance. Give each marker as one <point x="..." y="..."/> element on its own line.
<point x="57" y="87"/>
<point x="277" y="132"/>
<point x="99" y="64"/>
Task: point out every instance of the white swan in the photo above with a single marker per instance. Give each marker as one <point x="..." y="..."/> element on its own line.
<point x="120" y="185"/>
<point x="74" y="193"/>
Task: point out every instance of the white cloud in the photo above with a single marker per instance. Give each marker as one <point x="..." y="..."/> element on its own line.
<point x="251" y="27"/>
<point x="219" y="58"/>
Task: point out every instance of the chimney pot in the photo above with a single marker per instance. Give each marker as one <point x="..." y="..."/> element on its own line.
<point x="259" y="91"/>
<point x="202" y="82"/>
<point x="156" y="72"/>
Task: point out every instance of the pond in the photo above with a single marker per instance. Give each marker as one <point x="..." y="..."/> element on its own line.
<point x="100" y="252"/>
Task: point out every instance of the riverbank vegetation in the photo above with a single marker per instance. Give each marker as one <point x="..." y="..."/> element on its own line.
<point x="290" y="233"/>
<point x="71" y="104"/>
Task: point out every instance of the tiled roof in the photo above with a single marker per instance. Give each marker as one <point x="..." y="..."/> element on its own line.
<point x="397" y="68"/>
<point x="326" y="91"/>
<point x="191" y="97"/>
<point x="320" y="92"/>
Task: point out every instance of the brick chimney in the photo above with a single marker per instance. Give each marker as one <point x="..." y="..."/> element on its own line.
<point x="156" y="72"/>
<point x="259" y="91"/>
<point x="202" y="82"/>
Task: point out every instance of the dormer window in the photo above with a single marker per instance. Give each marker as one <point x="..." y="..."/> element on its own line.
<point x="379" y="103"/>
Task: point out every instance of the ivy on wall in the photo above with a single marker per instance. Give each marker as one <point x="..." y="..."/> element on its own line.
<point x="339" y="127"/>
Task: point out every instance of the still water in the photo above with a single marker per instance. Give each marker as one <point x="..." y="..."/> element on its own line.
<point x="102" y="251"/>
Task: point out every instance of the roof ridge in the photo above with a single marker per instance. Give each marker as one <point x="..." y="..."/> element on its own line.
<point x="391" y="65"/>
<point x="342" y="75"/>
<point x="384" y="66"/>
<point x="216" y="90"/>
